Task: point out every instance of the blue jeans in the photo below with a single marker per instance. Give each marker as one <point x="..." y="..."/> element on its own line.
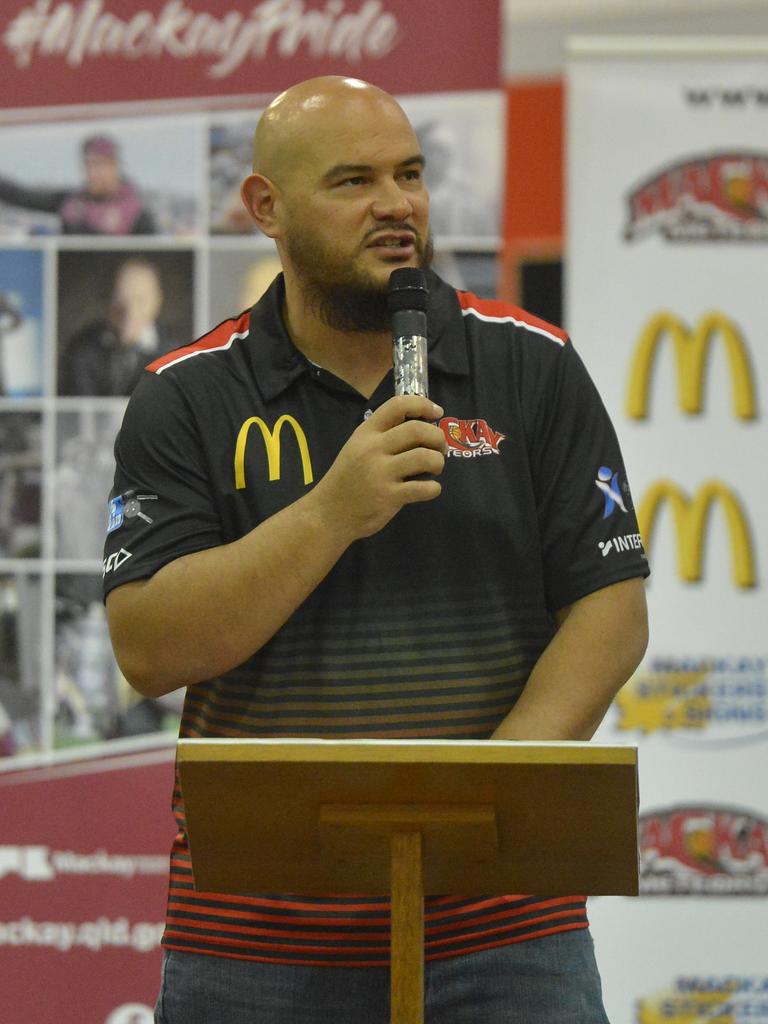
<point x="552" y="980"/>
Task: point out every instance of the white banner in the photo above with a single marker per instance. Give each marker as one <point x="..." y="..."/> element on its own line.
<point x="666" y="300"/>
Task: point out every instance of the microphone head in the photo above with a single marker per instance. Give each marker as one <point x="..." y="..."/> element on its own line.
<point x="407" y="290"/>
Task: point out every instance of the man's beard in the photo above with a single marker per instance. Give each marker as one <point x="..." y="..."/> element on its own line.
<point x="339" y="294"/>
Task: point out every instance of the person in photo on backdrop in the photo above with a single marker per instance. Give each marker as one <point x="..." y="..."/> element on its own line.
<point x="310" y="554"/>
<point x="10" y="320"/>
<point x="107" y="356"/>
<point x="107" y="203"/>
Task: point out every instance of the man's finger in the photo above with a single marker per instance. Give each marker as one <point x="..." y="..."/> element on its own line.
<point x="404" y="407"/>
<point x="415" y="434"/>
<point x="419" y="461"/>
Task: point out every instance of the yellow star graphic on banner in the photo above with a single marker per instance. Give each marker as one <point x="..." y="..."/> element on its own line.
<point x="685" y="1008"/>
<point x="673" y="702"/>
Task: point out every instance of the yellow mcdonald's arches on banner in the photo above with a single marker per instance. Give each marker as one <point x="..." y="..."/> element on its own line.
<point x="272" y="444"/>
<point x="691" y="518"/>
<point x="691" y="346"/>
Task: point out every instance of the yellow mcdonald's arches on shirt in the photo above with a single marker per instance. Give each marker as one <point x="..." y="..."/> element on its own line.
<point x="271" y="440"/>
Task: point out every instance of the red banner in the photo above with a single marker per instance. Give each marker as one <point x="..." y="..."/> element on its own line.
<point x="83" y="873"/>
<point x="54" y="54"/>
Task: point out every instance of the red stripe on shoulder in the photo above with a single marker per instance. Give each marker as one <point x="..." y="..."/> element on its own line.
<point x="497" y="309"/>
<point x="219" y="337"/>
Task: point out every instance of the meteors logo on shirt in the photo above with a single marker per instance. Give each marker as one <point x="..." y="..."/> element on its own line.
<point x="468" y="438"/>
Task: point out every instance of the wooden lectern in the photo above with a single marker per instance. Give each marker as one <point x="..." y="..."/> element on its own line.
<point x="411" y="817"/>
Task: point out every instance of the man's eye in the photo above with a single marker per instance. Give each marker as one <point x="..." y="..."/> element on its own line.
<point x="356" y="179"/>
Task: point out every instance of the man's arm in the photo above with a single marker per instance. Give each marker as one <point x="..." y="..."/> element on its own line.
<point x="44" y="200"/>
<point x="600" y="641"/>
<point x="205" y="613"/>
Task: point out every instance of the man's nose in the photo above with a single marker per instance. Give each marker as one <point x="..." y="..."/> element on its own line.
<point x="391" y="202"/>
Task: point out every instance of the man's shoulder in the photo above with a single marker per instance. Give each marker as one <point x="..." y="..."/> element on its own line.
<point x="498" y="313"/>
<point x="212" y="351"/>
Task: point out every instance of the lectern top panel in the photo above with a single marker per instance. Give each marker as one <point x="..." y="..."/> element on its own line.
<point x="405" y="751"/>
<point x="315" y="816"/>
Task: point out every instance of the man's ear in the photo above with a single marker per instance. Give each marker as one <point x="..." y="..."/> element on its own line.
<point x="260" y="197"/>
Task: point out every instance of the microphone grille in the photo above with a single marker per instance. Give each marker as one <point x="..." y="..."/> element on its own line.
<point x="407" y="290"/>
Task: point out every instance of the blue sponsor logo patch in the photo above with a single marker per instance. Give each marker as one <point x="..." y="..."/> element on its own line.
<point x="608" y="482"/>
<point x="116" y="514"/>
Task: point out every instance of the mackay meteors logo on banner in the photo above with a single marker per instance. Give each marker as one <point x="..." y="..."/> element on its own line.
<point x="711" y="197"/>
<point x="703" y="850"/>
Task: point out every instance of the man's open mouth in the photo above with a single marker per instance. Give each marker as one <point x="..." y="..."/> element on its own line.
<point x="398" y="240"/>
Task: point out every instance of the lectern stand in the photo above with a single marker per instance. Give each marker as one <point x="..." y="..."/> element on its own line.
<point x="409" y="818"/>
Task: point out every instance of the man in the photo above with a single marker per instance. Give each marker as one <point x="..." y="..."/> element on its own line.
<point x="301" y="576"/>
<point x="108" y="204"/>
<point x="107" y="356"/>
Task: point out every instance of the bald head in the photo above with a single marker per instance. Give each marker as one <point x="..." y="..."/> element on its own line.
<point x="338" y="185"/>
<point x="296" y="120"/>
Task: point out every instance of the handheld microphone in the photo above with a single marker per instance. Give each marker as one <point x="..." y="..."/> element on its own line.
<point x="407" y="303"/>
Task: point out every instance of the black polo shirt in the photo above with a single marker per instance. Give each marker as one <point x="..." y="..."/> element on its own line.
<point x="428" y="628"/>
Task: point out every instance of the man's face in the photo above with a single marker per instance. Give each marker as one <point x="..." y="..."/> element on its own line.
<point x="355" y="210"/>
<point x="136" y="302"/>
<point x="102" y="174"/>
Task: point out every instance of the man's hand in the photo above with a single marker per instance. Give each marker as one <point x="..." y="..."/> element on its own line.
<point x="373" y="474"/>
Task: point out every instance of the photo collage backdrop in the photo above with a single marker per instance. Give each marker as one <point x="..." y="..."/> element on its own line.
<point x="90" y="292"/>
